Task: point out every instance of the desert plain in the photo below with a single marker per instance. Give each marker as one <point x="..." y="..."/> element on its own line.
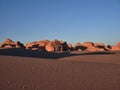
<point x="27" y="69"/>
<point x="78" y="71"/>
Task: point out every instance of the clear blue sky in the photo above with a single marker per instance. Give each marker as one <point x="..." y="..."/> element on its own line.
<point x="69" y="20"/>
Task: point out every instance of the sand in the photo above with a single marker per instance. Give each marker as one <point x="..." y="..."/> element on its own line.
<point x="75" y="72"/>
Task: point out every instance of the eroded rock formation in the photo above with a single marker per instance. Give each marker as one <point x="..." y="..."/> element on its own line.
<point x="59" y="45"/>
<point x="8" y="43"/>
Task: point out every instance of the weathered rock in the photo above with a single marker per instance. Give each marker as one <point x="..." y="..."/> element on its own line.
<point x="118" y="44"/>
<point x="88" y="44"/>
<point x="80" y="47"/>
<point x="49" y="47"/>
<point x="43" y="43"/>
<point x="101" y="46"/>
<point x="8" y="43"/>
<point x="8" y="46"/>
<point x="70" y="47"/>
<point x="92" y="48"/>
<point x="64" y="46"/>
<point x="31" y="45"/>
<point x="56" y="45"/>
<point x="115" y="48"/>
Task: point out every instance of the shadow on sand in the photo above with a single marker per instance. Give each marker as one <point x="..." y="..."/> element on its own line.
<point x="43" y="54"/>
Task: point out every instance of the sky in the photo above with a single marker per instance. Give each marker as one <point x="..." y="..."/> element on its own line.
<point x="69" y="20"/>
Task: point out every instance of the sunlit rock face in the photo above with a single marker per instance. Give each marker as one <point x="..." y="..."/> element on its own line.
<point x="56" y="45"/>
<point x="8" y="43"/>
<point x="116" y="47"/>
<point x="59" y="45"/>
<point x="37" y="45"/>
<point x="94" y="46"/>
<point x="47" y="45"/>
<point x="79" y="47"/>
<point x="88" y="44"/>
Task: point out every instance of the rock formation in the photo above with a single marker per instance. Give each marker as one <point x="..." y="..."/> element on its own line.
<point x="8" y="43"/>
<point x="54" y="45"/>
<point x="37" y="45"/>
<point x="47" y="45"/>
<point x="94" y="46"/>
<point x="116" y="47"/>
<point x="70" y="46"/>
<point x="79" y="47"/>
<point x="58" y="45"/>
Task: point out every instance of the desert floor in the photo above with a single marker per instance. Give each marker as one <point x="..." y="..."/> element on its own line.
<point x="77" y="72"/>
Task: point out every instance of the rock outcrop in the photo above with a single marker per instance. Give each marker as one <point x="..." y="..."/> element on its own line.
<point x="80" y="47"/>
<point x="94" y="46"/>
<point x="59" y="45"/>
<point x="116" y="47"/>
<point x="8" y="43"/>
<point x="54" y="45"/>
<point x="37" y="45"/>
<point x="47" y="45"/>
<point x="70" y="46"/>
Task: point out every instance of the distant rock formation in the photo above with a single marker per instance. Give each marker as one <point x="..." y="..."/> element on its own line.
<point x="80" y="47"/>
<point x="118" y="44"/>
<point x="47" y="45"/>
<point x="116" y="47"/>
<point x="56" y="45"/>
<point x="90" y="46"/>
<point x="40" y="45"/>
<point x="59" y="45"/>
<point x="8" y="43"/>
<point x="70" y="46"/>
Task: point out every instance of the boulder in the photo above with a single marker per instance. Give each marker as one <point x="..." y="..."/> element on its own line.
<point x="79" y="47"/>
<point x="88" y="44"/>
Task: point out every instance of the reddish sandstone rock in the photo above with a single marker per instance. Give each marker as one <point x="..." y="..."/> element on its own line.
<point x="79" y="47"/>
<point x="49" y="47"/>
<point x="31" y="45"/>
<point x="101" y="47"/>
<point x="8" y="43"/>
<point x="88" y="44"/>
<point x="115" y="48"/>
<point x="43" y="43"/>
<point x="118" y="44"/>
<point x="99" y="44"/>
<point x="57" y="45"/>
<point x="78" y="44"/>
<point x="70" y="46"/>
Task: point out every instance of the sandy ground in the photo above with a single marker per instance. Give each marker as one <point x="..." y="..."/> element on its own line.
<point x="78" y="72"/>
